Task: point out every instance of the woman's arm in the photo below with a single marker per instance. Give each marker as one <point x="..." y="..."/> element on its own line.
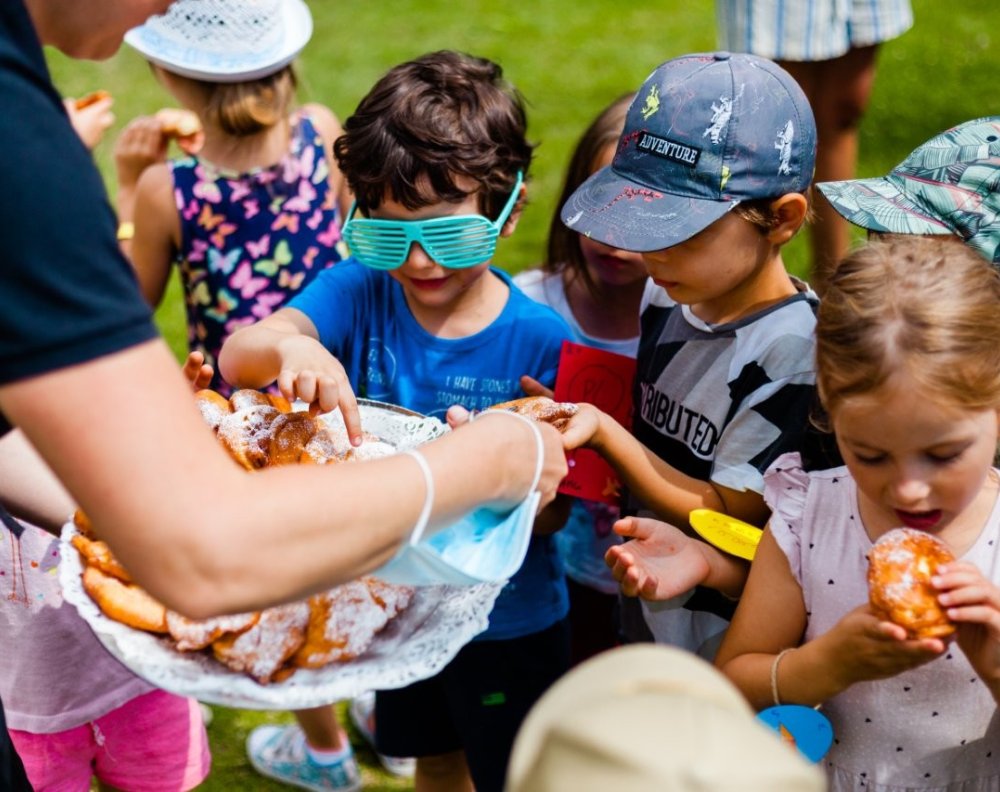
<point x="206" y="537"/>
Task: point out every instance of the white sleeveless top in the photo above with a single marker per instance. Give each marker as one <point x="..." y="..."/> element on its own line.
<point x="935" y="727"/>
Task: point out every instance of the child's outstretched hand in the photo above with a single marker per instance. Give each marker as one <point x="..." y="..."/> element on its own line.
<point x="197" y="371"/>
<point x="863" y="647"/>
<point x="660" y="562"/>
<point x="973" y="602"/>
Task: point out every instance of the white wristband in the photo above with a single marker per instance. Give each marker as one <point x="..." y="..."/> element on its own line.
<point x="425" y="513"/>
<point x="539" y="443"/>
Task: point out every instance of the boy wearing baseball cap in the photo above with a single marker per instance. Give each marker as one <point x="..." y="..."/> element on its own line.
<point x="709" y="182"/>
<point x="949" y="184"/>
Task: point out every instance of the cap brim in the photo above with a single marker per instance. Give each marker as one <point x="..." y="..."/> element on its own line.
<point x="627" y="215"/>
<point x="298" y="26"/>
<point x="879" y="205"/>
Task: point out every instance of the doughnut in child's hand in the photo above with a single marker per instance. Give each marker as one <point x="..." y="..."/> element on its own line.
<point x="97" y="554"/>
<point x="540" y="408"/>
<point x="900" y="567"/>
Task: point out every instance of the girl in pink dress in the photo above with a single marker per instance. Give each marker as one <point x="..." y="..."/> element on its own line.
<point x="908" y="368"/>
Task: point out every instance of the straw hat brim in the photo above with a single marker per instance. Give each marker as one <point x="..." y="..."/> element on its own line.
<point x="213" y="67"/>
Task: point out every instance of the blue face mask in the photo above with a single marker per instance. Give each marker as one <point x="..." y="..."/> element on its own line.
<point x="484" y="546"/>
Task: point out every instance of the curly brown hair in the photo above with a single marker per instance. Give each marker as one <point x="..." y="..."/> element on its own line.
<point x="431" y="123"/>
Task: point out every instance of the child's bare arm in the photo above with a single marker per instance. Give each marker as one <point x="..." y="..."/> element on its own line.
<point x="157" y="233"/>
<point x="663" y="489"/>
<point x="285" y="348"/>
<point x="772" y="617"/>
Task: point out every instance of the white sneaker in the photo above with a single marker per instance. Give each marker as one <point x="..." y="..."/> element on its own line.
<point x="279" y="752"/>
<point x="362" y="713"/>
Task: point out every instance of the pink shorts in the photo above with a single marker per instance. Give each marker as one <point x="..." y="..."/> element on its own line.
<point x="156" y="741"/>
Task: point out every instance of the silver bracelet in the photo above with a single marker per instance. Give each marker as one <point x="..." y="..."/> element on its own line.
<point x="425" y="513"/>
<point x="774" y="674"/>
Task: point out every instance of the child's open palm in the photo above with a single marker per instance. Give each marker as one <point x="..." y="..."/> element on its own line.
<point x="660" y="562"/>
<point x="973" y="602"/>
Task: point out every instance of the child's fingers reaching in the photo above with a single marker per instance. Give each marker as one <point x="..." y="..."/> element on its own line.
<point x="533" y="387"/>
<point x="457" y="415"/>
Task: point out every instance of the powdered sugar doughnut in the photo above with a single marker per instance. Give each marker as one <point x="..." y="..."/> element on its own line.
<point x="192" y="635"/>
<point x="263" y="649"/>
<point x="342" y="623"/>
<point x="900" y="566"/>
<point x="246" y="434"/>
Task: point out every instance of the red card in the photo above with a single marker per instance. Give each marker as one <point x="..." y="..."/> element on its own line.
<point x="603" y="379"/>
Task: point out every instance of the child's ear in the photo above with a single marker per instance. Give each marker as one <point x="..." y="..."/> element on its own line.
<point x="789" y="213"/>
<point x="515" y="215"/>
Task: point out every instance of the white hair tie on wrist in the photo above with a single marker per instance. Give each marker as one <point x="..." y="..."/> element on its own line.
<point x="425" y="513"/>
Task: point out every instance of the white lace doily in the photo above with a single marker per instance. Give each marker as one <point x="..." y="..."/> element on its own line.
<point x="416" y="644"/>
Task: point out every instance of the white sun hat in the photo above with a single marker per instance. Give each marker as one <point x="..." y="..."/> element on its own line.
<point x="224" y="40"/>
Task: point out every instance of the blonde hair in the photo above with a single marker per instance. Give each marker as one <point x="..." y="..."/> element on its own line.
<point x="926" y="305"/>
<point x="246" y="108"/>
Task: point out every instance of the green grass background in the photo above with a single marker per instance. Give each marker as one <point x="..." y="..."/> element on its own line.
<point x="569" y="59"/>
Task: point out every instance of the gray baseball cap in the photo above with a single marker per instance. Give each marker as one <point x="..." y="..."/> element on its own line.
<point x="705" y="132"/>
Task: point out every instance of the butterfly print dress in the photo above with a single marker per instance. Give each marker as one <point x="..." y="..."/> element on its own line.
<point x="250" y="241"/>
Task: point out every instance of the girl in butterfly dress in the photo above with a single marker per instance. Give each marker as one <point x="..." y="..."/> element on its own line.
<point x="248" y="219"/>
<point x="255" y="212"/>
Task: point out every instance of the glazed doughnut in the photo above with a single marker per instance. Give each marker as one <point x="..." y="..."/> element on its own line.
<point x="97" y="554"/>
<point x="83" y="524"/>
<point x="263" y="649"/>
<point x="900" y="566"/>
<point x="289" y="435"/>
<point x="342" y="623"/>
<point x="540" y="408"/>
<point x="245" y="434"/>
<point x="322" y="448"/>
<point x="192" y="635"/>
<point x="213" y="406"/>
<point x="124" y="602"/>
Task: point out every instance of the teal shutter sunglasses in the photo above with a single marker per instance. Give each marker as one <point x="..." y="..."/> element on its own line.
<point x="454" y="242"/>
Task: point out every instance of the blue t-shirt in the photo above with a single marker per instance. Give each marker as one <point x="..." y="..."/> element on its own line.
<point x="362" y="317"/>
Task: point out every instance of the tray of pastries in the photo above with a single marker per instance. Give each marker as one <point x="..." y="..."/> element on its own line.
<point x="365" y="634"/>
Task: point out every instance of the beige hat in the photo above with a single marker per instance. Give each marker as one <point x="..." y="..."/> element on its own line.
<point x="647" y="717"/>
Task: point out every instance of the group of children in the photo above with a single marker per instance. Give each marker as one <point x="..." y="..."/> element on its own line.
<point x="666" y="246"/>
